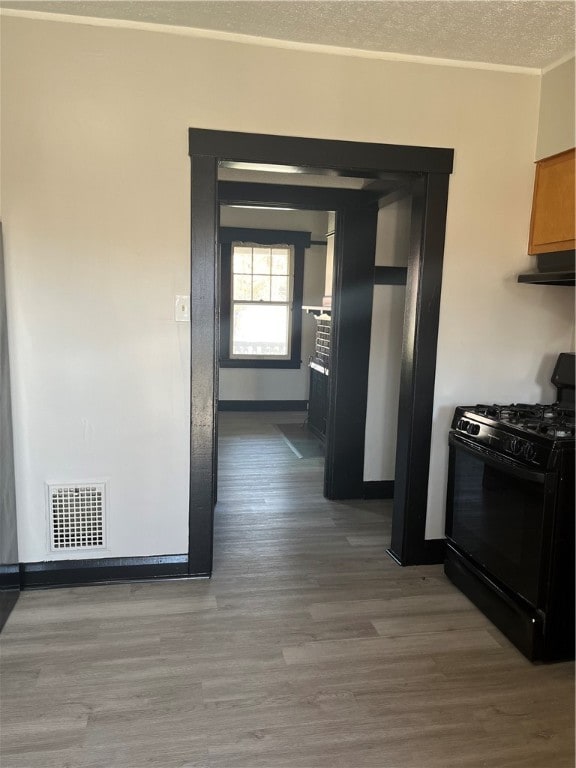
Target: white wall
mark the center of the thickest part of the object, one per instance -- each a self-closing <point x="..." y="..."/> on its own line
<point x="556" y="120"/>
<point x="392" y="248"/>
<point x="263" y="384"/>
<point x="95" y="205"/>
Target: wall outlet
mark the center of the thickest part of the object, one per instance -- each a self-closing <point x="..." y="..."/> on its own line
<point x="182" y="309"/>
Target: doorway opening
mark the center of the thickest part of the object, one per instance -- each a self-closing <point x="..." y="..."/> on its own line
<point x="386" y="173"/>
<point x="274" y="314"/>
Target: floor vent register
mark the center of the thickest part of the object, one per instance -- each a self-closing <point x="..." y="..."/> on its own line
<point x="77" y="516"/>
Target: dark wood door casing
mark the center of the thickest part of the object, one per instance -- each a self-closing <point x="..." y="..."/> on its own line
<point x="418" y="371"/>
<point x="353" y="288"/>
<point x="427" y="169"/>
<point x="203" y="364"/>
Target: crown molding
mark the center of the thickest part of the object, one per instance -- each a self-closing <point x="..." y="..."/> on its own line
<point x="267" y="42"/>
<point x="558" y="63"/>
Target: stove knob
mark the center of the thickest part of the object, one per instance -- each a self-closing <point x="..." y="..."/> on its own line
<point x="473" y="429"/>
<point x="518" y="447"/>
<point x="529" y="451"/>
<point x="512" y="445"/>
<point x="462" y="424"/>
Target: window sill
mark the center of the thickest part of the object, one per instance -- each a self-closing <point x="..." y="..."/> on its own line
<point x="233" y="363"/>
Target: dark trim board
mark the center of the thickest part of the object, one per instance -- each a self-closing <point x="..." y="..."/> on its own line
<point x="9" y="577"/>
<point x="352" y="294"/>
<point x="62" y="573"/>
<point x="292" y="196"/>
<point x="418" y="368"/>
<point x="390" y="275"/>
<point x="378" y="489"/>
<point x="423" y="171"/>
<point x="262" y="405"/>
<point x="432" y="552"/>
<point x="347" y="157"/>
<point x="8" y="599"/>
<point x="9" y="590"/>
<point x="203" y="363"/>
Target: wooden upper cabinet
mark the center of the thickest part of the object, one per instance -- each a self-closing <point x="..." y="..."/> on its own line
<point x="552" y="223"/>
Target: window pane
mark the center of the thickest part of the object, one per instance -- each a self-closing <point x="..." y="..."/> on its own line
<point x="242" y="288"/>
<point x="242" y="260"/>
<point x="260" y="288"/>
<point x="260" y="330"/>
<point x="280" y="261"/>
<point x="279" y="289"/>
<point x="261" y="261"/>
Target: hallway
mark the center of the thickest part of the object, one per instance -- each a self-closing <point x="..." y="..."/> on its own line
<point x="309" y="648"/>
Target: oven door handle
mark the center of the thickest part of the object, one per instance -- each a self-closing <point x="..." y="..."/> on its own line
<point x="496" y="460"/>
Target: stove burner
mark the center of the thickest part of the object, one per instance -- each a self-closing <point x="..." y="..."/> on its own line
<point x="552" y="429"/>
<point x="520" y="412"/>
<point x="552" y="421"/>
<point x="493" y="411"/>
<point x="556" y="430"/>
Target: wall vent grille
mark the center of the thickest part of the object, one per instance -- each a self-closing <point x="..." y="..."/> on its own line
<point x="77" y="516"/>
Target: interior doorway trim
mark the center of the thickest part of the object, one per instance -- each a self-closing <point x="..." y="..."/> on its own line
<point x="431" y="167"/>
<point x="356" y="213"/>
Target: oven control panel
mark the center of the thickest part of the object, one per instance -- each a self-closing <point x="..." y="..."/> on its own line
<point x="503" y="442"/>
<point x="467" y="426"/>
<point x="516" y="446"/>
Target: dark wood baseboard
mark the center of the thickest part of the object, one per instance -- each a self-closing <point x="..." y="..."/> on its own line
<point x="8" y="600"/>
<point x="431" y="552"/>
<point x="66" y="573"/>
<point x="378" y="489"/>
<point x="9" y="590"/>
<point x="10" y="576"/>
<point x="263" y="405"/>
<point x="434" y="551"/>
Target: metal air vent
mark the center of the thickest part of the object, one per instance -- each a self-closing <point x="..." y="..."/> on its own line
<point x="77" y="516"/>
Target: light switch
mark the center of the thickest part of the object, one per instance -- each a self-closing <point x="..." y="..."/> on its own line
<point x="182" y="309"/>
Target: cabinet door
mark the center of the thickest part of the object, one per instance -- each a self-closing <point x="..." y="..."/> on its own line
<point x="318" y="403"/>
<point x="552" y="224"/>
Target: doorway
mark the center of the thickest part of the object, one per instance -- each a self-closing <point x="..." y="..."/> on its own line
<point x="427" y="172"/>
<point x="272" y="271"/>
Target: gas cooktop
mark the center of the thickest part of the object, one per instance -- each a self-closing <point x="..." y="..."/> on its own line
<point x="532" y="434"/>
<point x="554" y="421"/>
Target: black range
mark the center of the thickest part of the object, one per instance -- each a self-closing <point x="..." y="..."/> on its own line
<point x="510" y="516"/>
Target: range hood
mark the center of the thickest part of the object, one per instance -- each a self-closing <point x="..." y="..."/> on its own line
<point x="555" y="268"/>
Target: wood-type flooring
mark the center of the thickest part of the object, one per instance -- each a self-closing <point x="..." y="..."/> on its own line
<point x="309" y="648"/>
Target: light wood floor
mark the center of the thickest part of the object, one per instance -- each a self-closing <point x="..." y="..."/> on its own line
<point x="309" y="648"/>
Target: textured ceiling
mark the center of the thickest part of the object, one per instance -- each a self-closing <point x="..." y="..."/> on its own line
<point x="518" y="32"/>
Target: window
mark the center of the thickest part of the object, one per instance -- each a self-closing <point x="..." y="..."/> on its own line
<point x="261" y="297"/>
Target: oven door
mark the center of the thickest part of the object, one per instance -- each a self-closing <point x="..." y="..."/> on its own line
<point x="498" y="514"/>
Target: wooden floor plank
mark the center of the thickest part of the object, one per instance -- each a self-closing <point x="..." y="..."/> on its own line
<point x="309" y="648"/>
